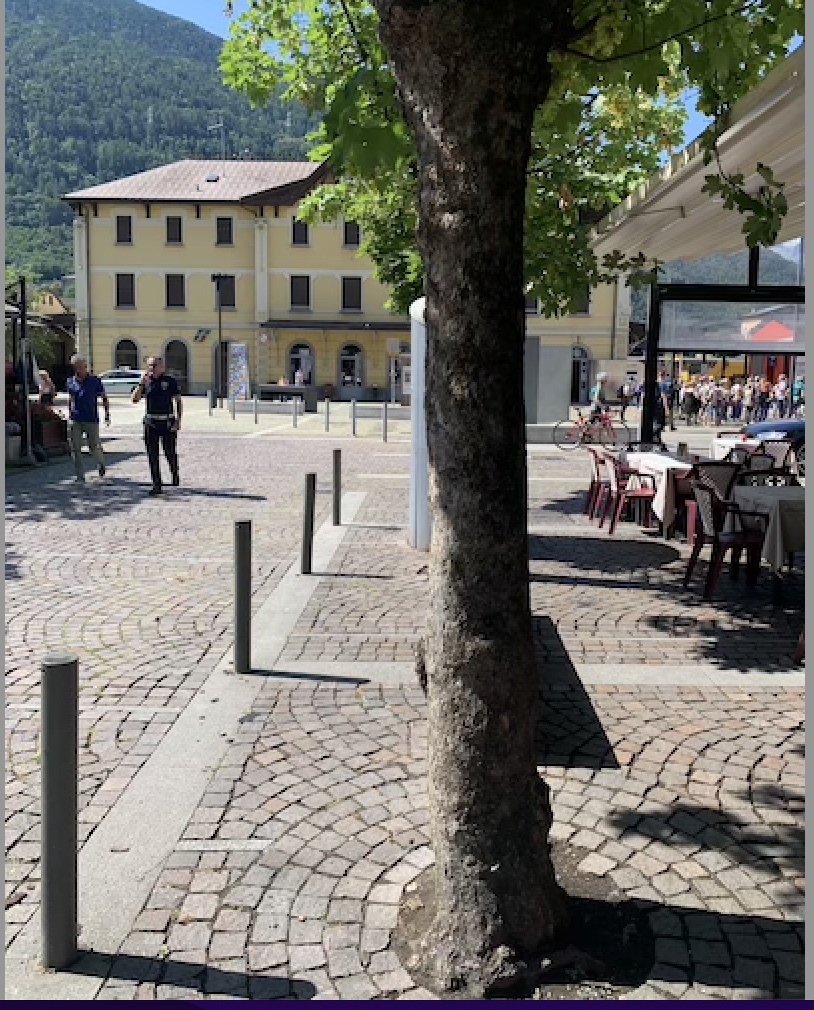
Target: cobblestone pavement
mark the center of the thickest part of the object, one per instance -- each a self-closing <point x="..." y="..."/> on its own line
<point x="287" y="879"/>
<point x="140" y="590"/>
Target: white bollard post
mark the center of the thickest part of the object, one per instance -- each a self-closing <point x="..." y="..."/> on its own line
<point x="384" y="421"/>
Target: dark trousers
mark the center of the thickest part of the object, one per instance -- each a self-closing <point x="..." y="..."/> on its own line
<point x="156" y="435"/>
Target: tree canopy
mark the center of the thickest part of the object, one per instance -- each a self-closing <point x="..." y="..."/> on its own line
<point x="612" y="111"/>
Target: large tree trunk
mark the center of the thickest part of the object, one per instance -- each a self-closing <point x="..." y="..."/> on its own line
<point x="470" y="75"/>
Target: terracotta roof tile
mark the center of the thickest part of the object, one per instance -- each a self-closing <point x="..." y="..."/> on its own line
<point x="187" y="181"/>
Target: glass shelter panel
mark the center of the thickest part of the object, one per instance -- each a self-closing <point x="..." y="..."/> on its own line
<point x="732" y="328"/>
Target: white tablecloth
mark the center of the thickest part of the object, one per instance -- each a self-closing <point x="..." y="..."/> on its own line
<point x="664" y="469"/>
<point x="786" y="509"/>
<point x="721" y="446"/>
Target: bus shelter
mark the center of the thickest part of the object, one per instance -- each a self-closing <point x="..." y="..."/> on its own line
<point x="671" y="218"/>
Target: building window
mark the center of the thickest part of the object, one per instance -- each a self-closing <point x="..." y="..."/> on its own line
<point x="125" y="291"/>
<point x="174" y="231"/>
<point x="351" y="366"/>
<point x="532" y="305"/>
<point x="124" y="229"/>
<point x="300" y="292"/>
<point x="299" y="232"/>
<point x="224" y="231"/>
<point x="352" y="235"/>
<point x="126" y="354"/>
<point x="581" y="303"/>
<point x="175" y="291"/>
<point x="351" y="294"/>
<point x="227" y="292"/>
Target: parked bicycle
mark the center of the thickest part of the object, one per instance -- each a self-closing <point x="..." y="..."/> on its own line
<point x="601" y="429"/>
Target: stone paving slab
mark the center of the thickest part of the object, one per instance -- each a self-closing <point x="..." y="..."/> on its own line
<point x="286" y="877"/>
<point x="694" y="811"/>
<point x="79" y="579"/>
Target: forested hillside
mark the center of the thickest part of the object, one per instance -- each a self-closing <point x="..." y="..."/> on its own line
<point x="98" y="89"/>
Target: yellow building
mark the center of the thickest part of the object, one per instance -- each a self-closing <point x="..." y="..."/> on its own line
<point x="152" y="250"/>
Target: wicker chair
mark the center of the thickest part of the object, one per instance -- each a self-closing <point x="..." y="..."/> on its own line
<point x="781" y="452"/>
<point x="722" y="472"/>
<point x="761" y="461"/>
<point x="738" y="454"/>
<point x="748" y="533"/>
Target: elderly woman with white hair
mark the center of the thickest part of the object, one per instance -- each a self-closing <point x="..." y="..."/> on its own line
<point x="84" y="392"/>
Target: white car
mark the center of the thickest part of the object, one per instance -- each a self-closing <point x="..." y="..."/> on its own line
<point x="120" y="381"/>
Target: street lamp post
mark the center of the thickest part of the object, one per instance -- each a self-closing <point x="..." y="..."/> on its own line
<point x="217" y="280"/>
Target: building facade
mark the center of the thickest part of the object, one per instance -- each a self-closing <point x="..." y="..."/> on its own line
<point x="196" y="258"/>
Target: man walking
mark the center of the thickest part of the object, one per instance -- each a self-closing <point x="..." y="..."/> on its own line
<point x="161" y="424"/>
<point x="84" y="392"/>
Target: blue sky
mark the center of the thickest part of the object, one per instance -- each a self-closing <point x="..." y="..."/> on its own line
<point x="209" y="14"/>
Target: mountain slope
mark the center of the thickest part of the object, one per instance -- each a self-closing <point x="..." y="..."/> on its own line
<point x="98" y="89"/>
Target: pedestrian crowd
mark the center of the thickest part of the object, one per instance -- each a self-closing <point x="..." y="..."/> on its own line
<point x="710" y="401"/>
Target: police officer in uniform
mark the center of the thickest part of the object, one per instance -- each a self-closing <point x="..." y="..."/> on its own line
<point x="161" y="423"/>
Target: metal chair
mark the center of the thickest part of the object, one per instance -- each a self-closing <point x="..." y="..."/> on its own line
<point x="748" y="533"/>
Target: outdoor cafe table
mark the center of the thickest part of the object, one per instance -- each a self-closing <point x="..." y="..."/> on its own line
<point x="785" y="507"/>
<point x="663" y="469"/>
<point x="721" y="446"/>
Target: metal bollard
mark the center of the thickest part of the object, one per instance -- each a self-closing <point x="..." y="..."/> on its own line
<point x="59" y="743"/>
<point x="384" y="421"/>
<point x="337" y="488"/>
<point x="327" y="414"/>
<point x="232" y="406"/>
<point x="353" y="417"/>
<point x="209" y="399"/>
<point x="255" y="408"/>
<point x="294" y="410"/>
<point x="308" y="523"/>
<point x="243" y="595"/>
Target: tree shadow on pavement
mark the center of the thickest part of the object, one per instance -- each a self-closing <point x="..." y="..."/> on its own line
<point x="569" y="733"/>
<point x="13" y="559"/>
<point x="738" y="629"/>
<point x="602" y="553"/>
<point x="102" y="497"/>
<point x="189" y="976"/>
<point x="761" y="828"/>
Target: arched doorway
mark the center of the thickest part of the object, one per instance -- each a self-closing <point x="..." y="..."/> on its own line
<point x="176" y="362"/>
<point x="301" y="359"/>
<point x="126" y="354"/>
<point x="351" y="366"/>
<point x="580" y="374"/>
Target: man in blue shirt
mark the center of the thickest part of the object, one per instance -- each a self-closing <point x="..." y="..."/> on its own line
<point x="84" y="392"/>
<point x="161" y="423"/>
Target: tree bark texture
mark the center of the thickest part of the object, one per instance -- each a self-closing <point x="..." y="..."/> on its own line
<point x="470" y="76"/>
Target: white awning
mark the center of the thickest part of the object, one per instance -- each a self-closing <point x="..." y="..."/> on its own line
<point x="669" y="218"/>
